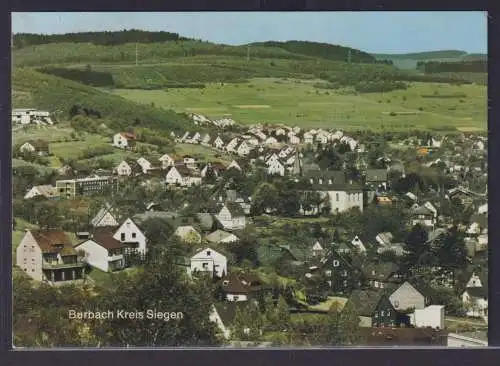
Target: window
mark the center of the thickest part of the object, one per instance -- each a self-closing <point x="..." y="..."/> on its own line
<point x="376" y="315"/>
<point x="396" y="304"/>
<point x="328" y="273"/>
<point x="344" y="273"/>
<point x="382" y="313"/>
<point x="205" y="265"/>
<point x="225" y="283"/>
<point x="122" y="236"/>
<point x="134" y="235"/>
<point x="235" y="298"/>
<point x="375" y="284"/>
<point x="337" y="197"/>
<point x="209" y="253"/>
<point x="336" y="263"/>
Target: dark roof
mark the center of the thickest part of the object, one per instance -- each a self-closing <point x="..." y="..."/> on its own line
<point x="365" y="301"/>
<point x="39" y="145"/>
<point x="422" y="210"/>
<point x="376" y="175"/>
<point x="227" y="310"/>
<point x="383" y="271"/>
<point x="235" y="209"/>
<point x="241" y="283"/>
<point x="481" y="292"/>
<point x="106" y="240"/>
<point x="50" y="241"/>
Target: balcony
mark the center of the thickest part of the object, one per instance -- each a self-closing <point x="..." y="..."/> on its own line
<point x="47" y="265"/>
<point x="115" y="257"/>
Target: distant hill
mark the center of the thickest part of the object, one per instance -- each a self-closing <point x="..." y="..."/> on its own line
<point x="320" y="50"/>
<point x="60" y="95"/>
<point x="429" y="55"/>
<point x="21" y="40"/>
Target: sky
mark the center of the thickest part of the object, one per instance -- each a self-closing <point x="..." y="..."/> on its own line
<point x="373" y="32"/>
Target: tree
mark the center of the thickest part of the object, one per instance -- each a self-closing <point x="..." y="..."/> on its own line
<point x="451" y="251"/>
<point x="342" y="326"/>
<point x="265" y="197"/>
<point x="416" y="245"/>
<point x="282" y="315"/>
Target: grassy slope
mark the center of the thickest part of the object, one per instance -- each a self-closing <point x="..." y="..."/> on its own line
<point x="296" y="103"/>
<point x="59" y="95"/>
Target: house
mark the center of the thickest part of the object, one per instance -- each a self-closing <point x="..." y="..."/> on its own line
<point x="223" y="315"/>
<point x="384" y="239"/>
<point x="188" y="234"/>
<point x="358" y="245"/>
<point x="483" y="209"/>
<point x="124" y="140"/>
<point x="208" y="260"/>
<point x="123" y="169"/>
<point x="46" y="191"/>
<point x="133" y="238"/>
<point x="341" y="195"/>
<point x="270" y="141"/>
<point x="373" y="308"/>
<point x="317" y="249"/>
<point x="196" y="138"/>
<point x="38" y="147"/>
<point x="218" y="143"/>
<point x="49" y="256"/>
<point x="205" y="140"/>
<point x="221" y="236"/>
<point x="377" y="178"/>
<point x="243" y="149"/>
<point x="104" y="218"/>
<point x="234" y="165"/>
<point x="232" y="216"/>
<point x="145" y="165"/>
<point x="231" y="146"/>
<point x="276" y="168"/>
<point x="380" y="275"/>
<point x="182" y="176"/>
<point x="406" y="297"/>
<point x="422" y="215"/>
<point x="103" y="251"/>
<point x="189" y="162"/>
<point x="294" y="140"/>
<point x="475" y="281"/>
<point x="429" y="317"/>
<point x="212" y="169"/>
<point x="308" y="138"/>
<point x="475" y="301"/>
<point x="340" y="271"/>
<point x="241" y="287"/>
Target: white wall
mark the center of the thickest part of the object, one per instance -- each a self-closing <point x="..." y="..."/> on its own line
<point x="129" y="228"/>
<point x="236" y="297"/>
<point x="431" y="316"/>
<point x="96" y="255"/>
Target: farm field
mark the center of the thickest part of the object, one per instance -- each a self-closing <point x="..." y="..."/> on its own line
<point x="298" y="102"/>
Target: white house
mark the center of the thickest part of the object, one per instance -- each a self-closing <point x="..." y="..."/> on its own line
<point x="208" y="260"/>
<point x="47" y="191"/>
<point x="271" y="141"/>
<point x="104" y="252"/>
<point x="276" y="168"/>
<point x="104" y="218"/>
<point x="205" y="140"/>
<point x="188" y="234"/>
<point x="317" y="249"/>
<point x="483" y="209"/>
<point x="196" y="138"/>
<point x="231" y="146"/>
<point x="294" y="140"/>
<point x="475" y="300"/>
<point x="130" y="235"/>
<point x="182" y="176"/>
<point x="167" y="161"/>
<point x="308" y="138"/>
<point x="474" y="281"/>
<point x="218" y="143"/>
<point x="243" y="149"/>
<point x="358" y="244"/>
<point x="124" y="140"/>
<point x="407" y="297"/>
<point x="145" y="165"/>
<point x="232" y="216"/>
<point x="430" y="317"/>
<point x="234" y="164"/>
<point x="272" y="159"/>
<point x="123" y="169"/>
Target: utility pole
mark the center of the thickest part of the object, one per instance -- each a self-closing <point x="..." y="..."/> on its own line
<point x="136" y="53"/>
<point x="349" y="56"/>
<point x="248" y="53"/>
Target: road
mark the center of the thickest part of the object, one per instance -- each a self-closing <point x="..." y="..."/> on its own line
<point x="464" y="321"/>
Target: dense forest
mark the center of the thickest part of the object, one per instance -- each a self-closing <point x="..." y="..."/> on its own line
<point x="21" y="40"/>
<point x="430" y="67"/>
<point x="321" y="50"/>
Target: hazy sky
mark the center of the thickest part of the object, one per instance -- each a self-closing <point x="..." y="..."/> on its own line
<point x="375" y="32"/>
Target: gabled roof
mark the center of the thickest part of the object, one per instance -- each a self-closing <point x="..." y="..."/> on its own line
<point x="478" y="292"/>
<point x="128" y="135"/>
<point x="49" y="240"/>
<point x="241" y="283"/>
<point x="383" y="271"/>
<point x="235" y="209"/>
<point x="376" y="175"/>
<point x="422" y="210"/>
<point x="46" y="190"/>
<point x="39" y="145"/>
<point x="100" y="215"/>
<point x="105" y="239"/>
<point x="366" y="301"/>
<point x="227" y="311"/>
<point x="218" y="235"/>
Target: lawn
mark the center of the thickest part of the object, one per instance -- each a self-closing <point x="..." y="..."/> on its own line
<point x="51" y="134"/>
<point x="41" y="168"/>
<point x="294" y="102"/>
<point x="203" y="152"/>
<point x="73" y="149"/>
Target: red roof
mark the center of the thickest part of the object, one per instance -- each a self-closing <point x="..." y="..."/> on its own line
<point x="128" y="135"/>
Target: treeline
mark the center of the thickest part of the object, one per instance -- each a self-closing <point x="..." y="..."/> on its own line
<point x="21" y="40"/>
<point x="321" y="50"/>
<point x="479" y="66"/>
<point x="87" y="77"/>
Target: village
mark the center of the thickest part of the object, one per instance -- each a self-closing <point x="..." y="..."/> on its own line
<point x="316" y="219"/>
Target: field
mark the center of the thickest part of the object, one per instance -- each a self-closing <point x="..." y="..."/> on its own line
<point x="298" y="102"/>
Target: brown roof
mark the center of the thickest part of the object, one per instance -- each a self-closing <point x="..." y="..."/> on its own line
<point x="50" y="240"/>
<point x="128" y="135"/>
<point x="241" y="284"/>
<point x="106" y="240"/>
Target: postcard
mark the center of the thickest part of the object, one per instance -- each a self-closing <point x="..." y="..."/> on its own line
<point x="249" y="179"/>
